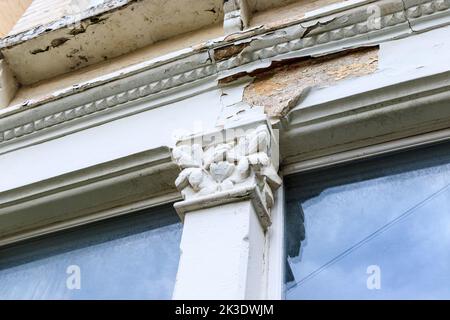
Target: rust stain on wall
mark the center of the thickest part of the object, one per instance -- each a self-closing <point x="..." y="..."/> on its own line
<point x="280" y="87"/>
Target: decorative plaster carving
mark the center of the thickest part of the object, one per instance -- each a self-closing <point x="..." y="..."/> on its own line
<point x="245" y="161"/>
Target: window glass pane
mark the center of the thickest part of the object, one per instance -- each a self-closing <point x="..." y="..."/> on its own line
<point x="130" y="257"/>
<point x="378" y="229"/>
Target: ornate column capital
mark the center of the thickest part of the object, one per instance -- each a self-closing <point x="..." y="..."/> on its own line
<point x="227" y="166"/>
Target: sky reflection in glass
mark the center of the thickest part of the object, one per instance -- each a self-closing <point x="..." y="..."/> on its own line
<point x="132" y="257"/>
<point x="393" y="213"/>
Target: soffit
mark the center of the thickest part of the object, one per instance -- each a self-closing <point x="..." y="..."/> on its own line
<point x="116" y="27"/>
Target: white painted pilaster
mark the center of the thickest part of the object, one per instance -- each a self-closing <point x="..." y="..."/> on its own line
<point x="227" y="188"/>
<point x="222" y="254"/>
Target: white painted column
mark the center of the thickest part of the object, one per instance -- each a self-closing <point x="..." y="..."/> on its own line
<point x="222" y="254"/>
<point x="227" y="188"/>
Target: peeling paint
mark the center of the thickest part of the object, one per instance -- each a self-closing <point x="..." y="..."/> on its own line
<point x="229" y="51"/>
<point x="265" y="44"/>
<point x="116" y="28"/>
<point x="59" y="42"/>
<point x="92" y="14"/>
<point x="36" y="51"/>
<point x="317" y="25"/>
<point x="281" y="87"/>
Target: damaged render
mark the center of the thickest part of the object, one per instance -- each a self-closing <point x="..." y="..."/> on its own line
<point x="281" y="86"/>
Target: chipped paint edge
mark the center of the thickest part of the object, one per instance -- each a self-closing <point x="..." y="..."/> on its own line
<point x="284" y="43"/>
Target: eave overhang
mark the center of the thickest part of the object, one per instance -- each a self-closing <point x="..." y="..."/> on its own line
<point x="102" y="33"/>
<point x="227" y="57"/>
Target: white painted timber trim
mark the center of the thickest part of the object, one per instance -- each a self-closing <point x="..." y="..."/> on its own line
<point x="222" y="254"/>
<point x="92" y="115"/>
<point x="276" y="257"/>
<point x="108" y="189"/>
<point x="91" y="218"/>
<point x="385" y="118"/>
<point x="228" y="186"/>
<point x="368" y="152"/>
<point x="342" y="29"/>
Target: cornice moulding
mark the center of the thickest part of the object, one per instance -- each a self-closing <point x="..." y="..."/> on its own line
<point x="134" y="182"/>
<point x="321" y="35"/>
<point x="104" y="32"/>
<point x="318" y="133"/>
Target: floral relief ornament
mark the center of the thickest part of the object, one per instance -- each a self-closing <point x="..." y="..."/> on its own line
<point x="226" y="165"/>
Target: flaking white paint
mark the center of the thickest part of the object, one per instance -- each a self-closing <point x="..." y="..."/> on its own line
<point x="140" y="132"/>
